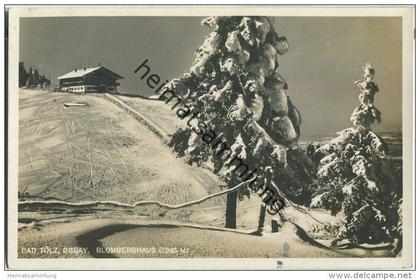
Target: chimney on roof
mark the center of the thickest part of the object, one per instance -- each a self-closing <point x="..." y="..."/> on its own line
<point x="99" y="64"/>
<point x="75" y="69"/>
<point x="84" y="68"/>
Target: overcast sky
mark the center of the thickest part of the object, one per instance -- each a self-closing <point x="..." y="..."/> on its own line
<point x="325" y="57"/>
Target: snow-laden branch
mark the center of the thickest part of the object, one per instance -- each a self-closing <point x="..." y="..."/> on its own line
<point x="297" y="207"/>
<point x="33" y="203"/>
<point x="127" y="205"/>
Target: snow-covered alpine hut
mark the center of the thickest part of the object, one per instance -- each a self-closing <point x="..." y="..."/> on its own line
<point x="94" y="79"/>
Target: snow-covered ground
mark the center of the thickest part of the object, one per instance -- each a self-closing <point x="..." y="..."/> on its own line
<point x="100" y="152"/>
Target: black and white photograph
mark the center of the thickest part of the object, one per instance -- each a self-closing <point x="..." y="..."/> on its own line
<point x="262" y="138"/>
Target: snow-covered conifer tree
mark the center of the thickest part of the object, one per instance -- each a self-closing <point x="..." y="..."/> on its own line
<point x="355" y="176"/>
<point x="237" y="108"/>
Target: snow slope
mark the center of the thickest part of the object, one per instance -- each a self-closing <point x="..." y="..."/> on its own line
<point x="96" y="152"/>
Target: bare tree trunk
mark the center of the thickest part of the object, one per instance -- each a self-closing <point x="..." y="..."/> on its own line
<point x="274" y="226"/>
<point x="231" y="201"/>
<point x="261" y="218"/>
